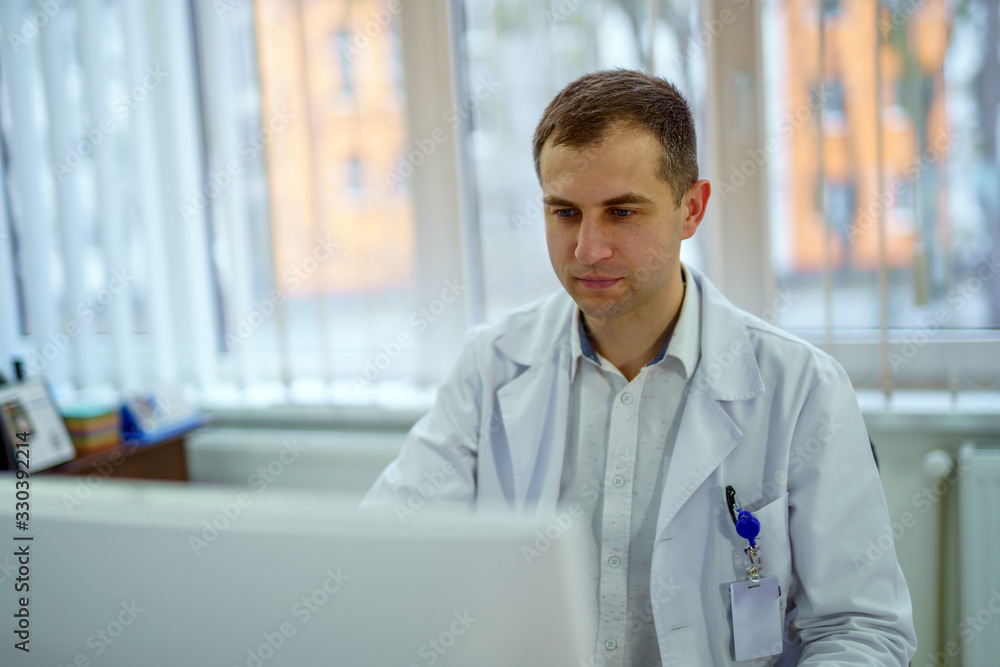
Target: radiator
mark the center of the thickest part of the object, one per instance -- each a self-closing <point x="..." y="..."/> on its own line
<point x="979" y="553"/>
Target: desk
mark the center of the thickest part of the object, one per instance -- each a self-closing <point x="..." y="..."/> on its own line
<point x="163" y="460"/>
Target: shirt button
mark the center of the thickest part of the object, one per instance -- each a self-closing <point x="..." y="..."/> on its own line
<point x="614" y="561"/>
<point x="626" y="398"/>
<point x="618" y="481"/>
<point x="611" y="644"/>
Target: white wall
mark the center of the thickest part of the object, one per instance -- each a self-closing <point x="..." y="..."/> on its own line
<point x="343" y="461"/>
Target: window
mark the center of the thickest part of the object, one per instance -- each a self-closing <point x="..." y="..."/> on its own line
<point x="318" y="198"/>
<point x="885" y="239"/>
<point x="339" y="251"/>
<point x="198" y="243"/>
<point x="342" y="56"/>
<point x="79" y="88"/>
<point x="355" y="177"/>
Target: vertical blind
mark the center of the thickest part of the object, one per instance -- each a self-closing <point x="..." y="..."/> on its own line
<point x="242" y="198"/>
<point x="884" y="224"/>
<point x="201" y="194"/>
<point x="106" y="287"/>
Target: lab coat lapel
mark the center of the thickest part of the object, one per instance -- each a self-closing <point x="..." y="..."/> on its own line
<point x="534" y="404"/>
<point x="705" y="436"/>
<point x="727" y="371"/>
<point x="532" y="407"/>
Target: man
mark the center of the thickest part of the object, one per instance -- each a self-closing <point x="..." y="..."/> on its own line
<point x="641" y="393"/>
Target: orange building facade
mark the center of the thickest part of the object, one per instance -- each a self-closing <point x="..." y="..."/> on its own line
<point x="334" y="65"/>
<point x="911" y="49"/>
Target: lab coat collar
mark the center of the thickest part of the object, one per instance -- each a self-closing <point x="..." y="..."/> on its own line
<point x="539" y="331"/>
<point x="727" y="369"/>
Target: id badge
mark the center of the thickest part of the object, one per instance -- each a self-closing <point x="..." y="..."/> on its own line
<point x="756" y="619"/>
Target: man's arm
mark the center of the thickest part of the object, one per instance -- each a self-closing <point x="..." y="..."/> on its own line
<point x="852" y="609"/>
<point x="438" y="459"/>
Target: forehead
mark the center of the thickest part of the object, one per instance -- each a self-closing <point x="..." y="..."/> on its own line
<point x="625" y="159"/>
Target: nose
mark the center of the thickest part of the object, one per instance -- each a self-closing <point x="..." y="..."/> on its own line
<point x="592" y="244"/>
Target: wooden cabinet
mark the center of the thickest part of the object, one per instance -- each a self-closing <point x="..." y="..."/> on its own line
<point x="165" y="460"/>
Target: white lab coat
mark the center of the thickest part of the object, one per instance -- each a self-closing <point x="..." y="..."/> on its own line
<point x="767" y="413"/>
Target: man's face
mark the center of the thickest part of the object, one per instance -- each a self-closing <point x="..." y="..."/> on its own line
<point x="611" y="226"/>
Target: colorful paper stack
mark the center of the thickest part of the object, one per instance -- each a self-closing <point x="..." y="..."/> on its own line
<point x="93" y="426"/>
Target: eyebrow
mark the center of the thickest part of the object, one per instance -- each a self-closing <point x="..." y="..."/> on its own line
<point x="627" y="198"/>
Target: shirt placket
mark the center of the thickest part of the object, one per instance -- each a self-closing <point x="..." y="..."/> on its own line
<point x="616" y="520"/>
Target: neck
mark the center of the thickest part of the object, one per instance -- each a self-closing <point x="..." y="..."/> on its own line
<point x="633" y="340"/>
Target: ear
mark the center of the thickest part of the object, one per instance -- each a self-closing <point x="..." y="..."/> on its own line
<point x="693" y="206"/>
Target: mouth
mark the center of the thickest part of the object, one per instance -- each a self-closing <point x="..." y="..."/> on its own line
<point x="597" y="282"/>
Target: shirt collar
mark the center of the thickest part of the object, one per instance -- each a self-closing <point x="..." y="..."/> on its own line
<point x="682" y="344"/>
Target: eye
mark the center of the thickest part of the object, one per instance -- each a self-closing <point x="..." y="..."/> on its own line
<point x="622" y="212"/>
<point x="564" y="213"/>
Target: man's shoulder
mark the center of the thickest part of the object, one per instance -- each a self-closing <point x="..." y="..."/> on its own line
<point x="528" y="329"/>
<point x="782" y="353"/>
<point x="776" y="350"/>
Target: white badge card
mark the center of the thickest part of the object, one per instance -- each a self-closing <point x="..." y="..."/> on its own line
<point x="756" y="619"/>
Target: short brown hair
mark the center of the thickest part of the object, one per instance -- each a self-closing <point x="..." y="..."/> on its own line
<point x="586" y="111"/>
